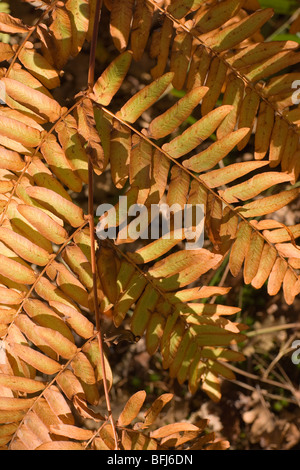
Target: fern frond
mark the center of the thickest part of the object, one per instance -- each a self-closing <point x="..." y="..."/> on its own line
<point x="181" y="330"/>
<point x="238" y="85"/>
<point x="244" y="68"/>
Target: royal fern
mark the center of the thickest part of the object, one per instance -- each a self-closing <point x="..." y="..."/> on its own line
<point x="58" y="280"/>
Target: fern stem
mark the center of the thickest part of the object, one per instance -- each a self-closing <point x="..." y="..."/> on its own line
<point x="91" y="77"/>
<point x="96" y="302"/>
<point x="271" y="329"/>
<point x="257" y="378"/>
<point x="266" y="394"/>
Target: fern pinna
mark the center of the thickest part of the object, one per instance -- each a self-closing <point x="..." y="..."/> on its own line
<point x="57" y="279"/>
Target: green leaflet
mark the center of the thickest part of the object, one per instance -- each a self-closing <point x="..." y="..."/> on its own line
<point x="145" y="98"/>
<point x="254" y="186"/>
<point x="234" y="34"/>
<point x="182" y="268"/>
<point x="197" y="133"/>
<point x="218" y="150"/>
<point x="169" y="121"/>
<point x="111" y="79"/>
<point x="230" y="173"/>
<point x="268" y="204"/>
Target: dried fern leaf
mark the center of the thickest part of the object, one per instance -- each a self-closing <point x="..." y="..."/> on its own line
<point x="21" y="384"/>
<point x="16" y="272"/>
<point x="128" y="296"/>
<point x="180" y="56"/>
<point x="78" y="11"/>
<point x="6" y="51"/>
<point x="215" y="81"/>
<point x="60" y="165"/>
<point x="265" y="123"/>
<point x="178" y="188"/>
<point x="63" y="208"/>
<point x="33" y="99"/>
<point x="271" y="66"/>
<point x="140" y="167"/>
<point x="40" y="68"/>
<point x="239" y="248"/>
<point x="233" y="96"/>
<point x="179" y="9"/>
<point x="163" y="41"/>
<point x="215" y="16"/>
<point x="10" y="160"/>
<point x="140" y="29"/>
<point x="152" y="413"/>
<point x="159" y="177"/>
<point x="234" y="34"/>
<point x="146" y="306"/>
<point x="276" y="276"/>
<point x="180" y="269"/>
<point x="253" y="257"/>
<point x="18" y="131"/>
<point x="61" y="30"/>
<point x="132" y="408"/>
<point x="9" y="24"/>
<point x="72" y="146"/>
<point x="199" y="66"/>
<point x="39" y="361"/>
<point x="24" y="248"/>
<point x="120" y="146"/>
<point x="121" y="16"/>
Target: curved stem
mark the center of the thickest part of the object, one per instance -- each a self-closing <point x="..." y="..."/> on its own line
<point x="91" y="77"/>
<point x="271" y="329"/>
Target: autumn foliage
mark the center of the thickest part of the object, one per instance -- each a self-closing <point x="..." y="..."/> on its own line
<point x="58" y="281"/>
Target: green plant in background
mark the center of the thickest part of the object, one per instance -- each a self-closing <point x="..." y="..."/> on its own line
<point x="281" y="7"/>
